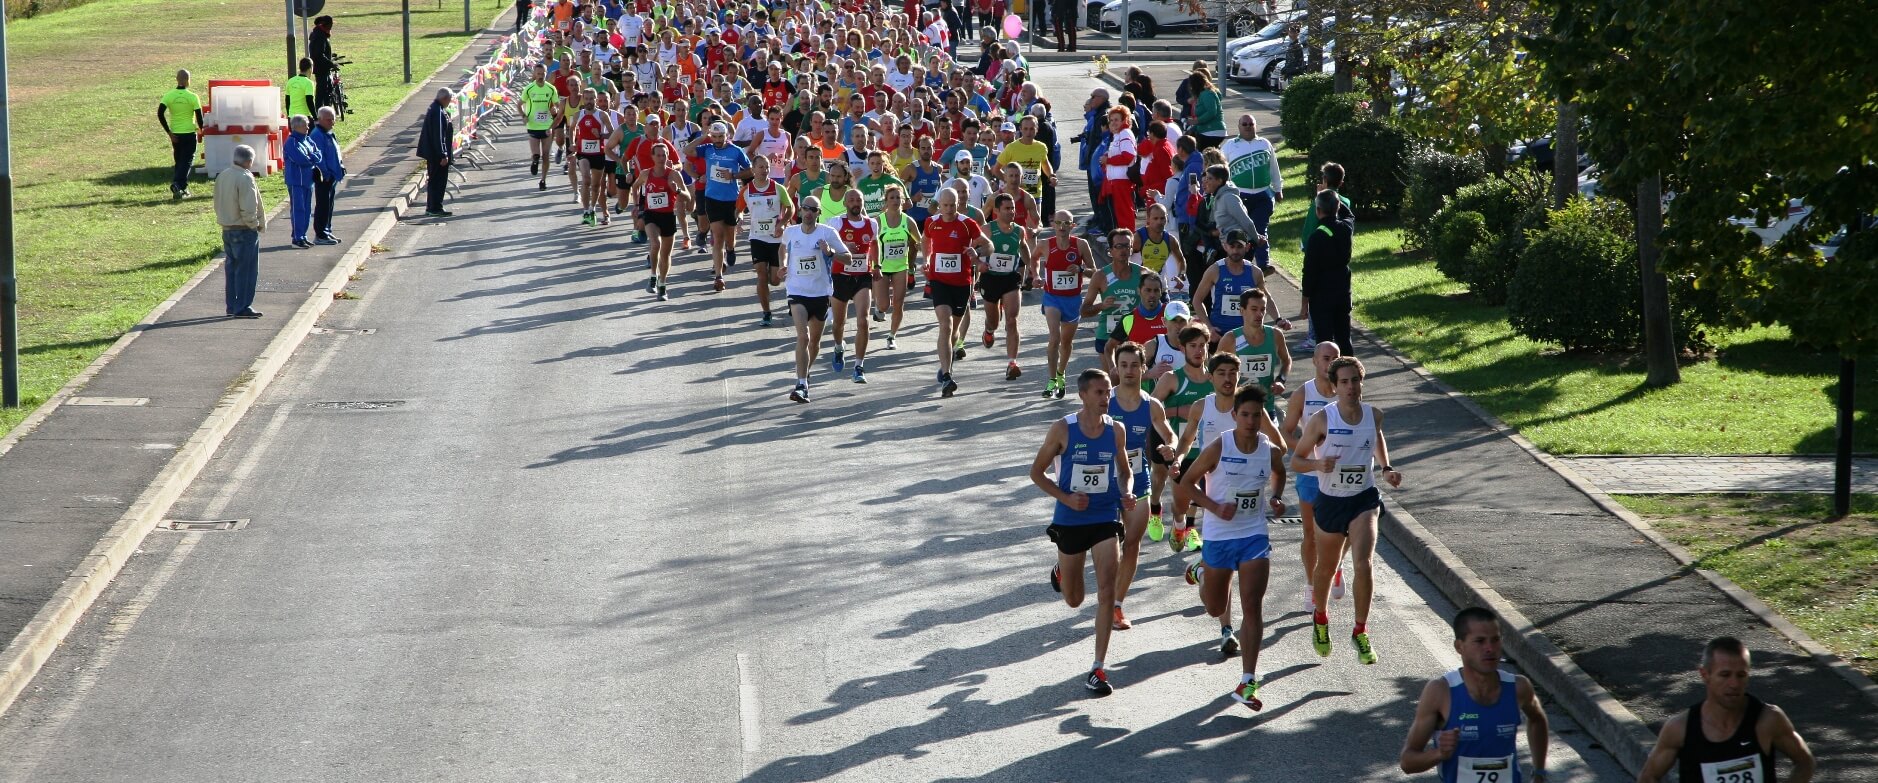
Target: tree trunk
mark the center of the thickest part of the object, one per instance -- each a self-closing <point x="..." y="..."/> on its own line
<point x="1345" y="79"/>
<point x="1659" y="341"/>
<point x="1842" y="450"/>
<point x="1565" y="155"/>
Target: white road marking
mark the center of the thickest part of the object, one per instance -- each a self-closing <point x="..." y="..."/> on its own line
<point x="747" y="710"/>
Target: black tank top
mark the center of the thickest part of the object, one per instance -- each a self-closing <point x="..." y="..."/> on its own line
<point x="1738" y="759"/>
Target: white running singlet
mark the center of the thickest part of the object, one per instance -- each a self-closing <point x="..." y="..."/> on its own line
<point x="1242" y="479"/>
<point x="807" y="258"/>
<point x="1354" y="447"/>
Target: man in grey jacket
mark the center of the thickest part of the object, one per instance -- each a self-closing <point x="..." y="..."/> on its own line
<point x="1222" y="215"/>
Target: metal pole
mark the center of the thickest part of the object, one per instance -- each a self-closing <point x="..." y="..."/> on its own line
<point x="1219" y="60"/>
<point x="1842" y="457"/>
<point x="293" y="60"/>
<point x="306" y="43"/>
<point x="1124" y="21"/>
<point x="9" y="279"/>
<point x="407" y="41"/>
<point x="466" y="16"/>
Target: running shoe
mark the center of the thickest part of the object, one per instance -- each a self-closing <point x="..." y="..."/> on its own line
<point x="534" y="165"/>
<point x="604" y="220"/>
<point x="1049" y="388"/>
<point x="949" y="388"/>
<point x="1320" y="639"/>
<point x="1156" y="530"/>
<point x="768" y="319"/>
<point x="542" y="185"/>
<point x="1195" y="573"/>
<point x="1098" y="681"/>
<point x="1061" y="382"/>
<point x="801" y="393"/>
<point x="1056" y="577"/>
<point x="989" y="339"/>
<point x="835" y="360"/>
<point x="618" y="209"/>
<point x="880" y="316"/>
<point x="1029" y="282"/>
<point x="1228" y="643"/>
<point x="652" y="284"/>
<point x="717" y="284"/>
<point x="891" y="343"/>
<point x="586" y="218"/>
<point x="1336" y="584"/>
<point x="958" y="351"/>
<point x="557" y="156"/>
<point x="1248" y="694"/>
<point x="1177" y="539"/>
<point x="1011" y="372"/>
<point x="1193" y="540"/>
<point x="1121" y="623"/>
<point x="639" y="237"/>
<point x="730" y="256"/>
<point x="1310" y="604"/>
<point x="1308" y="345"/>
<point x="1364" y="653"/>
<point x="858" y="376"/>
<point x="662" y="295"/>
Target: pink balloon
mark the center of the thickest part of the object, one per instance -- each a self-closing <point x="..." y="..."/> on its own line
<point x="1013" y="26"/>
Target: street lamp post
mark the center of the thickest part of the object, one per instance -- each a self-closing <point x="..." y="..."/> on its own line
<point x="9" y="278"/>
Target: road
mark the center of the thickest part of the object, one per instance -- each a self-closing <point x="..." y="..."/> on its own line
<point x="535" y="525"/>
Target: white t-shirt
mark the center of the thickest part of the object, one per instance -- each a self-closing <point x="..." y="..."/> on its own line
<point x="977" y="189"/>
<point x="899" y="81"/>
<point x="1123" y="142"/>
<point x="808" y="259"/>
<point x="1173" y="133"/>
<point x="631" y="27"/>
<point x="749" y="127"/>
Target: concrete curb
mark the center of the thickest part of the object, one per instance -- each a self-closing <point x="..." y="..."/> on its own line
<point x="40" y="638"/>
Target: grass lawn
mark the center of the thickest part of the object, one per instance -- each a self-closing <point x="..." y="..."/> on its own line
<point x="1821" y="575"/>
<point x="99" y="241"/>
<point x="1759" y="394"/>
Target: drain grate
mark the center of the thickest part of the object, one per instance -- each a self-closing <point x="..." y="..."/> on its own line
<point x="203" y="525"/>
<point x="1288" y="521"/>
<point x="333" y="330"/>
<point x="109" y="402"/>
<point x="356" y="405"/>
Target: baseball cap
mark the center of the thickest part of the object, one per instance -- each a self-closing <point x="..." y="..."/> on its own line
<point x="1237" y="236"/>
<point x="1178" y="310"/>
<point x="1008" y="126"/>
<point x="964" y="155"/>
<point x="719" y="127"/>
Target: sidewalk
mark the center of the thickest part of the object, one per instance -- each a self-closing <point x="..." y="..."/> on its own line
<point x="70" y="479"/>
<point x="1679" y="474"/>
<point x="1624" y="610"/>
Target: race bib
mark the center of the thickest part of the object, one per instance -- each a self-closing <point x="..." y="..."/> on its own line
<point x="808" y="265"/>
<point x="766" y="226"/>
<point x="1003" y="263"/>
<point x="684" y="79"/>
<point x="589" y="146"/>
<point x="720" y="174"/>
<point x="1350" y="476"/>
<point x="1257" y="366"/>
<point x="1474" y="769"/>
<point x="1031" y="175"/>
<point x="1246" y="501"/>
<point x="1090" y="479"/>
<point x="1741" y="770"/>
<point x="893" y="252"/>
<point x="948" y="263"/>
<point x="920" y="200"/>
<point x="857" y="264"/>
<point x="1230" y="306"/>
<point x="659" y="200"/>
<point x="1063" y="280"/>
<point x="1134" y="461"/>
<point x="541" y="116"/>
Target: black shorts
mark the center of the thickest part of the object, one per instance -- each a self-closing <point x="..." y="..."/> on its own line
<point x="537" y="134"/>
<point x="1077" y="539"/>
<point x="957" y="297"/>
<point x="598" y="162"/>
<point x="847" y="286"/>
<point x="766" y="253"/>
<point x="816" y="307"/>
<point x="1154" y="446"/>
<point x="665" y="222"/>
<point x="1334" y="514"/>
<point x="995" y="285"/>
<point x="622" y="176"/>
<point x="719" y="211"/>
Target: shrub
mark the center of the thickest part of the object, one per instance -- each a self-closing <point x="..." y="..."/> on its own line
<point x="1374" y="153"/>
<point x="1509" y="207"/>
<point x="1576" y="284"/>
<point x="1456" y="233"/>
<point x="1299" y="105"/>
<point x="1339" y="110"/>
<point x="1433" y="176"/>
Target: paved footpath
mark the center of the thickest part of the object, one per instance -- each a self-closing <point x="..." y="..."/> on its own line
<point x="582" y="535"/>
<point x="1679" y="474"/>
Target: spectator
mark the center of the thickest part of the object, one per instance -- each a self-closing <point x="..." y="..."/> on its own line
<point x="301" y="90"/>
<point x="436" y="144"/>
<point x="238" y="210"/>
<point x="1223" y="209"/>
<point x="1209" y="118"/>
<point x="1118" y="159"/>
<point x="1327" y="272"/>
<point x="1157" y="161"/>
<point x="1093" y="138"/>
<point x="180" y="113"/>
<point x="1183" y="94"/>
<point x="1185" y="204"/>
<point x="1066" y="18"/>
<point x="1163" y="112"/>
<point x="319" y="47"/>
<point x="326" y="177"/>
<point x="302" y="157"/>
<point x="523" y="9"/>
<point x="955" y="27"/>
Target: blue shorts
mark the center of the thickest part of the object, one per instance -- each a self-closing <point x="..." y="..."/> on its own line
<point x="1307" y="487"/>
<point x="1100" y="345"/>
<point x="1069" y="307"/>
<point x="1232" y="552"/>
<point x="1141" y="485"/>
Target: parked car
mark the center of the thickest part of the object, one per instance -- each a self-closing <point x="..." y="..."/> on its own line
<point x="1271" y="31"/>
<point x="1149" y="18"/>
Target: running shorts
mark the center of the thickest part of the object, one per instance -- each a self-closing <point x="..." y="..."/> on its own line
<point x="1307" y="487"/>
<point x="957" y="297"/>
<point x="720" y="211"/>
<point x="1334" y="514"/>
<point x="1101" y="346"/>
<point x="597" y="162"/>
<point x="765" y="252"/>
<point x="666" y="222"/>
<point x="995" y="285"/>
<point x="1232" y="552"/>
<point x="1077" y="539"/>
<point x="1154" y="446"/>
<point x="847" y="286"/>
<point x="815" y="307"/>
<point x="537" y="134"/>
<point x="1069" y="307"/>
<point x="1142" y="485"/>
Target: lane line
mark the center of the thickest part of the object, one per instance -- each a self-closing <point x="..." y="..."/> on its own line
<point x="747" y="711"/>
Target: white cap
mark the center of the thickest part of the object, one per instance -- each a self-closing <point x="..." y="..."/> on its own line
<point x="1178" y="310"/>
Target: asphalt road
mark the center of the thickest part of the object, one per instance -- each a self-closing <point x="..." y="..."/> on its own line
<point x="538" y="526"/>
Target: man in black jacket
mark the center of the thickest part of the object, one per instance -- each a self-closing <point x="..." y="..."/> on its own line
<point x="1327" y="272"/>
<point x="319" y="49"/>
<point x="436" y="144"/>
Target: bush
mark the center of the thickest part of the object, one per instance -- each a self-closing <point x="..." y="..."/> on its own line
<point x="1509" y="207"/>
<point x="1433" y="176"/>
<point x="1374" y="154"/>
<point x="1337" y="111"/>
<point x="1299" y="105"/>
<point x="1576" y="284"/>
<point x="1455" y="234"/>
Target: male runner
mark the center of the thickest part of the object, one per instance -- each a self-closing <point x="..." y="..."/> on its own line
<point x="1730" y="735"/>
<point x="1115" y="292"/>
<point x="854" y="280"/>
<point x="662" y="193"/>
<point x="771" y="210"/>
<point x="1477" y="709"/>
<point x="1261" y="345"/>
<point x="1140" y="415"/>
<point x="1348" y="434"/>
<point x="1310" y="397"/>
<point x="1245" y="480"/>
<point x="1089" y="453"/>
<point x="538" y="100"/>
<point x="1066" y="258"/>
<point x="592" y="126"/>
<point x="810" y="249"/>
<point x="724" y="167"/>
<point x="1001" y="274"/>
<point x="954" y="242"/>
<point x="1179" y="390"/>
<point x="1216" y="293"/>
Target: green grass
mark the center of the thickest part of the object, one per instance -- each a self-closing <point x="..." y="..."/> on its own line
<point x="1758" y="394"/>
<point x="1821" y="575"/>
<point x="99" y="242"/>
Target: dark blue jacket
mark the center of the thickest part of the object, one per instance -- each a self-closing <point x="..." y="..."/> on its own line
<point x="437" y="140"/>
<point x="302" y="157"/>
<point x="1196" y="165"/>
<point x="332" y="167"/>
<point x="1095" y="132"/>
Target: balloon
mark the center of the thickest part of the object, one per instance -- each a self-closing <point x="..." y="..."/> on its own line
<point x="1013" y="26"/>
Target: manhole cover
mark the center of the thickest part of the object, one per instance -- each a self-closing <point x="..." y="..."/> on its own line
<point x="356" y="405"/>
<point x="194" y="525"/>
<point x="109" y="402"/>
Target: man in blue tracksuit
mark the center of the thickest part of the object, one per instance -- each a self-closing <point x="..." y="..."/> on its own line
<point x="1094" y="138"/>
<point x="326" y="177"/>
<point x="303" y="157"/>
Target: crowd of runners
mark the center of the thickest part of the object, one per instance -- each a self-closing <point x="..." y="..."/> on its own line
<point x="858" y="162"/>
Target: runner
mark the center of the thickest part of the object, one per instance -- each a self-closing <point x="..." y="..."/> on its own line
<point x="1066" y="259"/>
<point x="1730" y="735"/>
<point x="591" y="127"/>
<point x="1216" y="293"/>
<point x="1115" y="292"/>
<point x="771" y="210"/>
<point x="874" y="186"/>
<point x="1148" y="320"/>
<point x="723" y="167"/>
<point x="1178" y="391"/>
<point x="1245" y="484"/>
<point x="1144" y="420"/>
<point x="1089" y="454"/>
<point x="899" y="244"/>
<point x="954" y="243"/>
<point x="854" y="280"/>
<point x="1000" y="275"/>
<point x="1473" y="715"/>
<point x="538" y="100"/>
<point x="1310" y="397"/>
<point x="1349" y="435"/>
<point x="1267" y="358"/>
<point x="662" y="193"/>
<point x="1155" y="248"/>
<point x="811" y="249"/>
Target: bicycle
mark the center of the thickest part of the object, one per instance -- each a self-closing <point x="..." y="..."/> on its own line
<point x="341" y="107"/>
